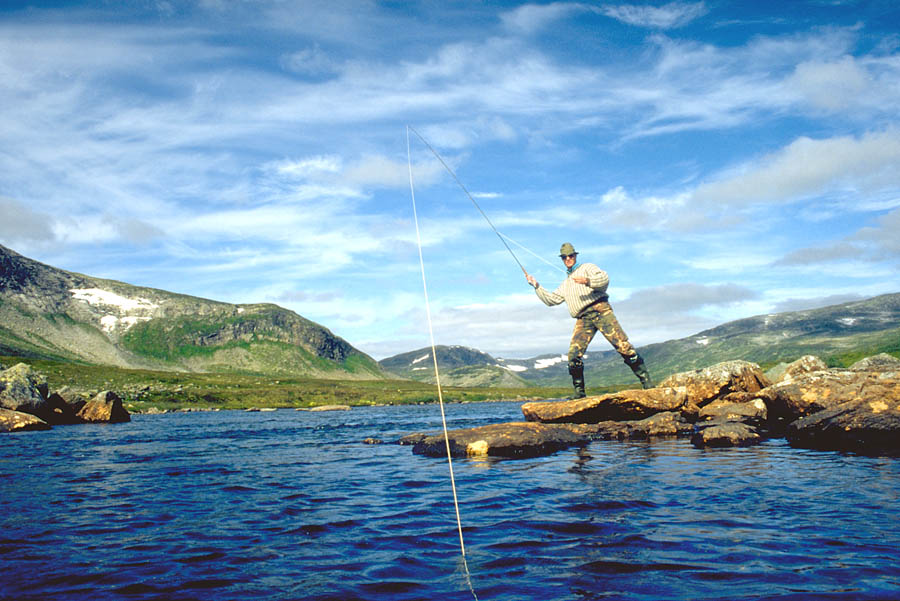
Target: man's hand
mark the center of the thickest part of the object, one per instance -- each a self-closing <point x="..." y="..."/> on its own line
<point x="531" y="280"/>
<point x="584" y="281"/>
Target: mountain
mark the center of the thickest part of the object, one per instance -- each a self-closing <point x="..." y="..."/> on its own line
<point x="459" y="366"/>
<point x="838" y="333"/>
<point x="50" y="313"/>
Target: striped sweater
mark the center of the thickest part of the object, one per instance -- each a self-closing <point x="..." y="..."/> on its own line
<point x="578" y="296"/>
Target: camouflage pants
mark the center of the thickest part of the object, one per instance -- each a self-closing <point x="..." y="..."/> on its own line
<point x="599" y="317"/>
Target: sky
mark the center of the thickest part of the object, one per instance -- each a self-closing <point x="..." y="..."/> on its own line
<point x="717" y="159"/>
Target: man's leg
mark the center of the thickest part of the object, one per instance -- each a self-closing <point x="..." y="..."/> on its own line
<point x="581" y="337"/>
<point x="606" y="322"/>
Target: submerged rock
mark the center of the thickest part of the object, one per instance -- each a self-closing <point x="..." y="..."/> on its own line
<point x="516" y="439"/>
<point x="706" y="385"/>
<point x="624" y="405"/>
<point x="18" y="421"/>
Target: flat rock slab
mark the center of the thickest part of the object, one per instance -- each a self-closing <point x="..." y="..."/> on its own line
<point x="516" y="439"/>
<point x="617" y="406"/>
<point x="727" y="434"/>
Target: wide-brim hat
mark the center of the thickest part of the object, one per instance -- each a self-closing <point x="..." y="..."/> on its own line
<point x="567" y="249"/>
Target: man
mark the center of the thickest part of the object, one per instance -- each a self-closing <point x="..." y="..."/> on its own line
<point x="584" y="291"/>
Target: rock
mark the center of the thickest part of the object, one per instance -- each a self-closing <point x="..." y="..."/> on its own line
<point x="809" y="393"/>
<point x="881" y="363"/>
<point x="623" y="405"/>
<point x="667" y="423"/>
<point x="728" y="434"/>
<point x="868" y="423"/>
<point x="372" y="441"/>
<point x="753" y="412"/>
<point x="516" y="439"/>
<point x="106" y="407"/>
<point x="23" y="389"/>
<point x="74" y="400"/>
<point x="61" y="412"/>
<point x="706" y="385"/>
<point x="412" y="439"/>
<point x="331" y="408"/>
<point x="803" y="365"/>
<point x="17" y="421"/>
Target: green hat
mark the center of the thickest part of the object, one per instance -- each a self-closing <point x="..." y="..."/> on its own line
<point x="567" y="249"/>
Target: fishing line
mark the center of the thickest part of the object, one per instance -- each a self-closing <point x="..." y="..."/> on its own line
<point x="477" y="206"/>
<point x="437" y="374"/>
<point x="531" y="252"/>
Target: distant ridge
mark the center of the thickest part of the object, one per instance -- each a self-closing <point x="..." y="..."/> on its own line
<point x="46" y="312"/>
<point x="840" y="334"/>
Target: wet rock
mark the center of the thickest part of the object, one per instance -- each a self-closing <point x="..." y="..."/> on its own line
<point x="331" y="408"/>
<point x="727" y="434"/>
<point x="372" y="441"/>
<point x="515" y="440"/>
<point x="18" y="421"/>
<point x="869" y="423"/>
<point x="706" y="385"/>
<point x="617" y="406"/>
<point x="880" y="363"/>
<point x="412" y="439"/>
<point x="106" y="407"/>
<point x="23" y="389"/>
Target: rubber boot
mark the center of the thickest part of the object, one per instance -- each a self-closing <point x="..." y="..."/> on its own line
<point x="576" y="370"/>
<point x="636" y="364"/>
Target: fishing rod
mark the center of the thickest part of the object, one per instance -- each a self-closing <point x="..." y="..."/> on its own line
<point x="477" y="206"/>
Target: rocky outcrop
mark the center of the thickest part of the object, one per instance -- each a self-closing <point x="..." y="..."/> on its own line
<point x="617" y="406"/>
<point x="727" y="405"/>
<point x="24" y="395"/>
<point x="106" y="407"/>
<point x="706" y="385"/>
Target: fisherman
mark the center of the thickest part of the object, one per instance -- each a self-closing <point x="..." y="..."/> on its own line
<point x="584" y="291"/>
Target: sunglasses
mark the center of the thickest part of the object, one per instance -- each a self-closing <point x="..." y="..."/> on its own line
<point x="564" y="257"/>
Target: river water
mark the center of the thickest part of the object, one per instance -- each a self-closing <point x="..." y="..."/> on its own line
<point x="293" y="505"/>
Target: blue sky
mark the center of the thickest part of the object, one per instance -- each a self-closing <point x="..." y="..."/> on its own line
<point x="718" y="159"/>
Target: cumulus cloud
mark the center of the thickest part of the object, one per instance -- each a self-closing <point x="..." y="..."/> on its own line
<point x="833" y="86"/>
<point x="668" y="16"/>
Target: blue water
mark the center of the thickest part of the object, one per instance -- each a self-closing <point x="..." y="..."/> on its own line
<point x="293" y="505"/>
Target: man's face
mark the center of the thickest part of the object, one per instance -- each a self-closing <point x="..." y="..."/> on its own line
<point x="568" y="260"/>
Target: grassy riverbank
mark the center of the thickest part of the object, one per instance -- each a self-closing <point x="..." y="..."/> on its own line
<point x="142" y="390"/>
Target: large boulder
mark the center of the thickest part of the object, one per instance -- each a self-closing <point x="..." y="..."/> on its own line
<point x="106" y="407"/>
<point x="23" y="389"/>
<point x="804" y="365"/>
<point x="869" y="424"/>
<point x="617" y="406"/>
<point x="516" y="439"/>
<point x="714" y="382"/>
<point x="810" y="393"/>
<point x="17" y="421"/>
<point x="61" y="412"/>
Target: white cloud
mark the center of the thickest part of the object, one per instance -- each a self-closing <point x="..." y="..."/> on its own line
<point x="807" y="167"/>
<point x="22" y="224"/>
<point x="529" y="18"/>
<point x="833" y="86"/>
<point x="668" y="16"/>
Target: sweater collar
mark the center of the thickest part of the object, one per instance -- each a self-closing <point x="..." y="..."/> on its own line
<point x="572" y="269"/>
